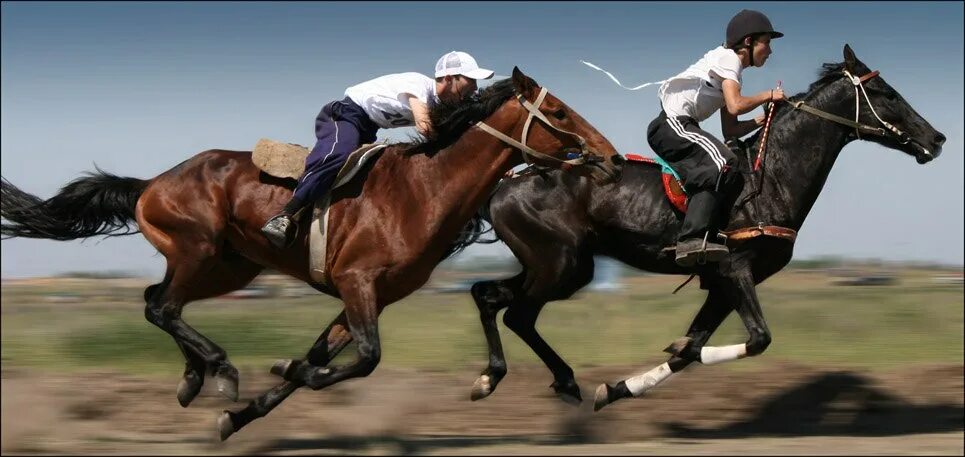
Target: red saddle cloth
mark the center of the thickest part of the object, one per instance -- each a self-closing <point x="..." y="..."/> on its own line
<point x="672" y="188"/>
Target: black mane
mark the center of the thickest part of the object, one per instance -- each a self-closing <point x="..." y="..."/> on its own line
<point x="450" y="120"/>
<point x="827" y="74"/>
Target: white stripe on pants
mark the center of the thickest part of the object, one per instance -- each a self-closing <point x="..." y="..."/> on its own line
<point x="704" y="143"/>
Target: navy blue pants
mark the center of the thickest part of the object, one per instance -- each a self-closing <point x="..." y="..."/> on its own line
<point x="340" y="128"/>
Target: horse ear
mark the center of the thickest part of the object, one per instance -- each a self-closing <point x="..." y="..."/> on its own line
<point x="524" y="84"/>
<point x="850" y="61"/>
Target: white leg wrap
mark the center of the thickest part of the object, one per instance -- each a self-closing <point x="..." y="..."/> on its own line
<point x="637" y="385"/>
<point x="710" y="355"/>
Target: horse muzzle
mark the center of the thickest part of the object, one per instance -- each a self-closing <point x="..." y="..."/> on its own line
<point x="924" y="156"/>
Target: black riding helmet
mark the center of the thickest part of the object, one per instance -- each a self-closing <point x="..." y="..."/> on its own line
<point x="748" y="22"/>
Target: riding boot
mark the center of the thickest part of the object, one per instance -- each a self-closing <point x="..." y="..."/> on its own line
<point x="281" y="229"/>
<point x="697" y="240"/>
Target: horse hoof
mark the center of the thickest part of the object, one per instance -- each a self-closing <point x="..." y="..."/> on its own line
<point x="678" y="345"/>
<point x="602" y="397"/>
<point x="568" y="391"/>
<point x="226" y="427"/>
<point x="570" y="399"/>
<point x="282" y="368"/>
<point x="227" y="381"/>
<point x="481" y="388"/>
<point x="187" y="390"/>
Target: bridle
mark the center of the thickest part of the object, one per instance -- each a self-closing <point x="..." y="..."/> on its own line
<point x="529" y="153"/>
<point x="859" y="90"/>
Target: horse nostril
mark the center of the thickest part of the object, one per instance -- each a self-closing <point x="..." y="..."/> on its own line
<point x="939" y="139"/>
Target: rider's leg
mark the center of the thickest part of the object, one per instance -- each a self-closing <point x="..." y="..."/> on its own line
<point x="706" y="166"/>
<point x="336" y="140"/>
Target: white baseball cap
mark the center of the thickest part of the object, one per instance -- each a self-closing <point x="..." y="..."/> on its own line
<point x="460" y="63"/>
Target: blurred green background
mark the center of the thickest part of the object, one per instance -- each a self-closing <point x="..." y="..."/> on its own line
<point x="857" y="316"/>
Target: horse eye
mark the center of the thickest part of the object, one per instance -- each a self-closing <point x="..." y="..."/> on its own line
<point x="560" y="114"/>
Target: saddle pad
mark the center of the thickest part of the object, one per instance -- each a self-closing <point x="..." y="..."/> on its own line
<point x="671" y="181"/>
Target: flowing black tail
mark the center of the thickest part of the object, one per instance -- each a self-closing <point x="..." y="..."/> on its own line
<point x="97" y="204"/>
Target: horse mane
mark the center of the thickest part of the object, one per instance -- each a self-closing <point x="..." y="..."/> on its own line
<point x="827" y="74"/>
<point x="451" y="119"/>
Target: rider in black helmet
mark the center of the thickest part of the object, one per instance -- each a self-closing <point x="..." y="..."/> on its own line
<point x="705" y="165"/>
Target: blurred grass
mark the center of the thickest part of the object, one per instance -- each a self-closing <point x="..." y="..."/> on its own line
<point x="811" y="321"/>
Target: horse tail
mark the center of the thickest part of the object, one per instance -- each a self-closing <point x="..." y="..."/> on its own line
<point x="97" y="204"/>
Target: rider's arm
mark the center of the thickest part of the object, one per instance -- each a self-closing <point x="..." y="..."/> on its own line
<point x="420" y="112"/>
<point x="737" y="104"/>
<point x="733" y="128"/>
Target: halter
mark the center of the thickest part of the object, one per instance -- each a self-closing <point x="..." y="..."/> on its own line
<point x="528" y="152"/>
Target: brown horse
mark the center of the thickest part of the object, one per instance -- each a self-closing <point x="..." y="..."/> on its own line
<point x="389" y="230"/>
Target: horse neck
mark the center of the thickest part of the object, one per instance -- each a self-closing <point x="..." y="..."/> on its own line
<point x="802" y="149"/>
<point x="457" y="180"/>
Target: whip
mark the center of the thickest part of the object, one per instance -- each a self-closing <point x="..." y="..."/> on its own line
<point x="767" y="126"/>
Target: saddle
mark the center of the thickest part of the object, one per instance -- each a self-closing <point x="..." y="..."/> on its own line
<point x="673" y="188"/>
<point x="285" y="160"/>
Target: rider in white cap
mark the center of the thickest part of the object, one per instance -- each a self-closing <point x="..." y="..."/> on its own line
<point x="390" y="101"/>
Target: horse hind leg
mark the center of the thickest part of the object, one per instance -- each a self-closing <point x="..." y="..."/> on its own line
<point x="555" y="274"/>
<point x="186" y="283"/>
<point x="194" y="366"/>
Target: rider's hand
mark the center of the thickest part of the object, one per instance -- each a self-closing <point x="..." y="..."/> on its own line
<point x="759" y="120"/>
<point x="777" y="94"/>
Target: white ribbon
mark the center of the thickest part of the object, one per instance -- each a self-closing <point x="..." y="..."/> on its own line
<point x="618" y="81"/>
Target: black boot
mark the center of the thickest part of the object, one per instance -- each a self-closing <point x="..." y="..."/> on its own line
<point x="282" y="228"/>
<point x="697" y="241"/>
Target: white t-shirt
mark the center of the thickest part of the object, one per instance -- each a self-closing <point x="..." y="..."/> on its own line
<point x="384" y="99"/>
<point x="698" y="91"/>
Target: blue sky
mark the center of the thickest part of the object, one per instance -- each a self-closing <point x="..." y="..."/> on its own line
<point x="138" y="87"/>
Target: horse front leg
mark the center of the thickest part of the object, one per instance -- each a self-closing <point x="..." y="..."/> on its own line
<point x="490" y="298"/>
<point x="712" y="313"/>
<point x="361" y="315"/>
<point x="738" y="288"/>
<point x="328" y="345"/>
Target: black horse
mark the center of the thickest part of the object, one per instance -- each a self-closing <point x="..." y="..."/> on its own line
<point x="556" y="222"/>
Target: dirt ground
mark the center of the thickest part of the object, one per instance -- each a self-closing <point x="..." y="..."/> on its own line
<point x="784" y="409"/>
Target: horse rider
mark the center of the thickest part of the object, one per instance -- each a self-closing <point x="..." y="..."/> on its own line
<point x="390" y="101"/>
<point x="706" y="166"/>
